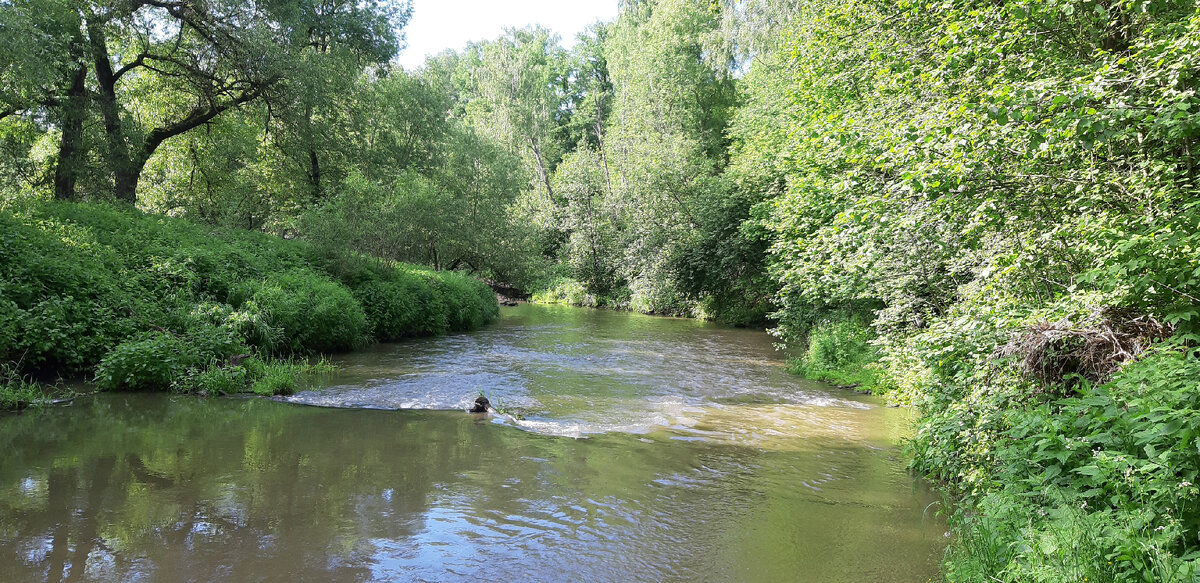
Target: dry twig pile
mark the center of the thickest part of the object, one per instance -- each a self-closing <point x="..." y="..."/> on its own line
<point x="1063" y="353"/>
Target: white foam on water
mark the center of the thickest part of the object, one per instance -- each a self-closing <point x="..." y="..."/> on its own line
<point x="637" y="417"/>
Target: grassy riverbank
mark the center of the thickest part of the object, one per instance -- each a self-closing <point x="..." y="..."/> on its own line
<point x="146" y="302"/>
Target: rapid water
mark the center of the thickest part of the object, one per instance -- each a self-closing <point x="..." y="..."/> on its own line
<point x="629" y="448"/>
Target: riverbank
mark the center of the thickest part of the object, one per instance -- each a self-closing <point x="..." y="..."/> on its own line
<point x="1068" y="437"/>
<point x="146" y="302"/>
<point x="565" y="291"/>
<point x="1065" y="438"/>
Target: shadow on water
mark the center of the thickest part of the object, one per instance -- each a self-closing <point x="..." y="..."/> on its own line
<point x="734" y="486"/>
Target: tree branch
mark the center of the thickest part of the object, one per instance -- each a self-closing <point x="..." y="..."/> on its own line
<point x="138" y="62"/>
<point x="201" y="116"/>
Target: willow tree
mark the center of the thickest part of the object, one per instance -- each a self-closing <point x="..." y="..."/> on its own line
<point x="161" y="68"/>
<point x="41" y="84"/>
<point x="331" y="43"/>
<point x="665" y="140"/>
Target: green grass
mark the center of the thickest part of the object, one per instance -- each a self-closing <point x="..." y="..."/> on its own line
<point x="17" y="392"/>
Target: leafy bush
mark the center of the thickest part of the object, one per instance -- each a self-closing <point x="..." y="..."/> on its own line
<point x="840" y="352"/>
<point x="392" y="307"/>
<point x="150" y="363"/>
<point x="469" y="303"/>
<point x="565" y="291"/>
<point x="1101" y="486"/>
<point x="311" y="312"/>
<point x="152" y="302"/>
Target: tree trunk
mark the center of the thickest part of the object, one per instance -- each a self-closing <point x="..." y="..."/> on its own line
<point x="125" y="162"/>
<point x="117" y="151"/>
<point x="537" y="154"/>
<point x="70" y="148"/>
<point x="600" y="146"/>
<point x="314" y="174"/>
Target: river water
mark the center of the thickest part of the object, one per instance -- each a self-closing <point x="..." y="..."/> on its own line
<point x="628" y="448"/>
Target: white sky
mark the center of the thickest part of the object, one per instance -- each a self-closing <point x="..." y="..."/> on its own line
<point x="450" y="24"/>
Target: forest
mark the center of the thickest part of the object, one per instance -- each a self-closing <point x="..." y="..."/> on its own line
<point x="988" y="211"/>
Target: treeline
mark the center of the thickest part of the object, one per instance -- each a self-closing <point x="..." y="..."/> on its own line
<point x="595" y="173"/>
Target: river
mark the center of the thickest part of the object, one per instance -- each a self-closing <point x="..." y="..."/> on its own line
<point x="629" y="448"/>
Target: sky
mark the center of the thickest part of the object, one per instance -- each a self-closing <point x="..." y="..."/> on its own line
<point x="437" y="25"/>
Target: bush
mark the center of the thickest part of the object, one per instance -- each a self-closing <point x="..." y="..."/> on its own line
<point x="392" y="307"/>
<point x="1102" y="486"/>
<point x="839" y="352"/>
<point x="151" y="302"/>
<point x="152" y="362"/>
<point x="311" y="313"/>
<point x="469" y="303"/>
<point x="565" y="291"/>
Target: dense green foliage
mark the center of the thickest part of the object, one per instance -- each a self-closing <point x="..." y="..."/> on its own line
<point x="1007" y="193"/>
<point x="839" y="352"/>
<point x="154" y="303"/>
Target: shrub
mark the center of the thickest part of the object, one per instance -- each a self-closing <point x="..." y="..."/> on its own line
<point x="840" y="352"/>
<point x="392" y="307"/>
<point x="1102" y="485"/>
<point x="469" y="302"/>
<point x="163" y="359"/>
<point x="565" y="291"/>
<point x="152" y="362"/>
<point x="149" y="301"/>
<point x="311" y="312"/>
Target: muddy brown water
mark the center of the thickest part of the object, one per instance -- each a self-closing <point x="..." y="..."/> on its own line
<point x="631" y="448"/>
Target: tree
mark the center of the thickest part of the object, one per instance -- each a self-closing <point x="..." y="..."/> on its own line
<point x="333" y="43"/>
<point x="42" y="69"/>
<point x="181" y="63"/>
<point x="520" y="79"/>
<point x="151" y="70"/>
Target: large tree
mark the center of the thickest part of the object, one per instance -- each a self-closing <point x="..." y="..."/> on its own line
<point x="161" y="68"/>
<point x="332" y="42"/>
<point x="151" y="70"/>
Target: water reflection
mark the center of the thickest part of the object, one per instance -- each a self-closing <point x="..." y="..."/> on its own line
<point x="751" y="488"/>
